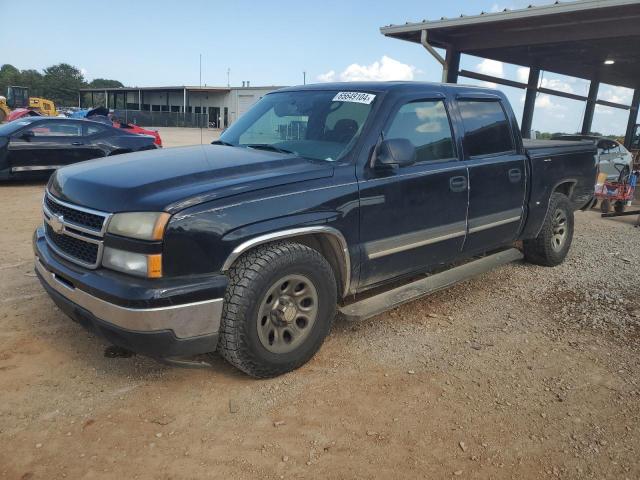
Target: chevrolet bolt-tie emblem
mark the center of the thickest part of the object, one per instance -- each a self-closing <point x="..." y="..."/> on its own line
<point x="56" y="223"/>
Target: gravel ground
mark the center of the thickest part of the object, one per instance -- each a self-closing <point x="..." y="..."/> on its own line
<point x="525" y="372"/>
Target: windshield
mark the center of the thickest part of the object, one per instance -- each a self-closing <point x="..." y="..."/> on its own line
<point x="11" y="127"/>
<point x="321" y="125"/>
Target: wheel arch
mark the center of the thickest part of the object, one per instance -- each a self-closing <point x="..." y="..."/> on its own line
<point x="327" y="240"/>
<point x="565" y="187"/>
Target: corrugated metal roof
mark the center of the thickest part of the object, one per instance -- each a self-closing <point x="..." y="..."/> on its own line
<point x="506" y="15"/>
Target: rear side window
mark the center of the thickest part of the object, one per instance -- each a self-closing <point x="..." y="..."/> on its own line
<point x="426" y="125"/>
<point x="93" y="129"/>
<point x="486" y="128"/>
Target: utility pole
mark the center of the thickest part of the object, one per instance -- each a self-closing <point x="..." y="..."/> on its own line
<point x="304" y="78"/>
<point x="228" y="73"/>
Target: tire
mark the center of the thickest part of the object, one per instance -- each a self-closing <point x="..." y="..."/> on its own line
<point x="552" y="244"/>
<point x="605" y="206"/>
<point x="265" y="332"/>
<point x="619" y="207"/>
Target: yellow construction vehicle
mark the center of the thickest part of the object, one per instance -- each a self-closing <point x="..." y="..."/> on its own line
<point x="18" y="97"/>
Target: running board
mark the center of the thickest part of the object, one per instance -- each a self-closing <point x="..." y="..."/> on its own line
<point x="369" y="307"/>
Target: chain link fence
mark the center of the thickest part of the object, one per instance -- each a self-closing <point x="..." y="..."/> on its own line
<point x="163" y="119"/>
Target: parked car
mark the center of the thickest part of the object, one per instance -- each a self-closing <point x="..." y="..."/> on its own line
<point x="130" y="127"/>
<point x="613" y="158"/>
<point x="102" y="114"/>
<point x="35" y="144"/>
<point x="316" y="195"/>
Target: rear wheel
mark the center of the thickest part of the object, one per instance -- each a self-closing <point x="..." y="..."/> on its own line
<point x="619" y="207"/>
<point x="605" y="206"/>
<point x="279" y="307"/>
<point x="552" y="244"/>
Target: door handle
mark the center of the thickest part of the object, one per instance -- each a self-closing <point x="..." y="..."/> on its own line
<point x="458" y="184"/>
<point x="515" y="175"/>
<point x="77" y="143"/>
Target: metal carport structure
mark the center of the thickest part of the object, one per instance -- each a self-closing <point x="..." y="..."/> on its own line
<point x="597" y="40"/>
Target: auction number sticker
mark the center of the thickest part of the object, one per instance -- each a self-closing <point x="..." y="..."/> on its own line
<point x="355" y="97"/>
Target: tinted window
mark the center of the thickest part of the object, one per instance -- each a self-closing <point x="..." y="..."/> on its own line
<point x="56" y="129"/>
<point x="93" y="129"/>
<point x="426" y="125"/>
<point x="486" y="128"/>
<point x="11" y="127"/>
<point x="322" y="125"/>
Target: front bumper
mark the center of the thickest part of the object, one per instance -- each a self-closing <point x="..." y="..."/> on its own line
<point x="159" y="318"/>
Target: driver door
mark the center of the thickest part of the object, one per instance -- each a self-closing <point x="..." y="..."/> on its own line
<point x="45" y="145"/>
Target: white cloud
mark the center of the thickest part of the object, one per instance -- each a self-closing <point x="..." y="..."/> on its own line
<point x="556" y="84"/>
<point x="491" y="67"/>
<point x="617" y="95"/>
<point x="384" y="69"/>
<point x="83" y="71"/>
<point x="330" y="76"/>
<point x="523" y="74"/>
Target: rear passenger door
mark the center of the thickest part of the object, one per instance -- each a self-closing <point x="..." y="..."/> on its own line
<point x="497" y="173"/>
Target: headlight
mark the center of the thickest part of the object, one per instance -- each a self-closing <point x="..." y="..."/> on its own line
<point x="139" y="264"/>
<point x="140" y="225"/>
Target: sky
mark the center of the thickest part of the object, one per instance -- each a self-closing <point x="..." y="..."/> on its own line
<point x="157" y="43"/>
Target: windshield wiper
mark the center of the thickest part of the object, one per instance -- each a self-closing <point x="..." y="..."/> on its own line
<point x="222" y="142"/>
<point x="266" y="146"/>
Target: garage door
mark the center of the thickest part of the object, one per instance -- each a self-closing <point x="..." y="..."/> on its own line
<point x="245" y="102"/>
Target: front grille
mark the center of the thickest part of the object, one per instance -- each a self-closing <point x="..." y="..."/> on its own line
<point x="73" y="247"/>
<point x="73" y="232"/>
<point x="77" y="217"/>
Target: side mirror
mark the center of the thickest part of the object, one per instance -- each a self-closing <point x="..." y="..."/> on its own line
<point x="395" y="152"/>
<point x="28" y="135"/>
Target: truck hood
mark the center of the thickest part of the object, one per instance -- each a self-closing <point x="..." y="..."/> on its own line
<point x="176" y="178"/>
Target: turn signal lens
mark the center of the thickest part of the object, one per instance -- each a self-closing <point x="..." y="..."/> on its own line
<point x="154" y="266"/>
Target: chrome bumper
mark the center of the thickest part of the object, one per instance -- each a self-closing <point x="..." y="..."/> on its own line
<point x="186" y="320"/>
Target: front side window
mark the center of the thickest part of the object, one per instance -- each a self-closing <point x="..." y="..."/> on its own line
<point x="426" y="125"/>
<point x="321" y="125"/>
<point x="56" y="129"/>
<point x="486" y="128"/>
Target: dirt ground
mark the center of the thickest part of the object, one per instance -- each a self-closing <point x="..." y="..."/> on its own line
<point x="525" y="372"/>
<point x="176" y="136"/>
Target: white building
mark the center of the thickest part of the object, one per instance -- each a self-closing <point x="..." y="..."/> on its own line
<point x="223" y="105"/>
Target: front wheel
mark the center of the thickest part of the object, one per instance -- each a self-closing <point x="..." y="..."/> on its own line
<point x="278" y="309"/>
<point x="552" y="244"/>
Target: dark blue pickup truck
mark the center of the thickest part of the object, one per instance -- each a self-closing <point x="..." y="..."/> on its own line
<point x="337" y="197"/>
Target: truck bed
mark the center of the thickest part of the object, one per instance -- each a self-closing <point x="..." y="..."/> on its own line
<point x="536" y="148"/>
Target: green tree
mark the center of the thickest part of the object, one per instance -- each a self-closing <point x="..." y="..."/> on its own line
<point x="9" y="75"/>
<point x="62" y="83"/>
<point x="105" y="83"/>
<point x="34" y="80"/>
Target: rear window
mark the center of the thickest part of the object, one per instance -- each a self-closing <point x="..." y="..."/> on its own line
<point x="486" y="127"/>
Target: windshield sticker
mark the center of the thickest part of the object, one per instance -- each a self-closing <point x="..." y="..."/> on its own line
<point x="355" y="97"/>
